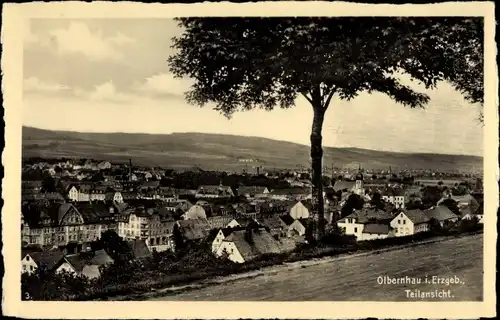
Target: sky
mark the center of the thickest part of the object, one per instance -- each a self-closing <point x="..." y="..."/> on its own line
<point x="111" y="75"/>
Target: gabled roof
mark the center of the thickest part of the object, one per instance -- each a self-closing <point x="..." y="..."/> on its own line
<point x="417" y="216"/>
<point x="101" y="258"/>
<point x="291" y="191"/>
<point x="251" y="189"/>
<point x="76" y="262"/>
<point x="272" y="222"/>
<point x="376" y="228"/>
<point x="342" y="185"/>
<point x="194" y="229"/>
<point x="244" y="222"/>
<point x="368" y="215"/>
<point x="214" y="189"/>
<point x="288" y="220"/>
<point x="47" y="259"/>
<point x="251" y="244"/>
<point x="219" y="221"/>
<point x="440" y="213"/>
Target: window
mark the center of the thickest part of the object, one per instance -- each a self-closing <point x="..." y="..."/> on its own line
<point x="399" y="221"/>
<point x="24" y="267"/>
<point x="355" y="230"/>
<point x="27" y="258"/>
<point x="404" y="221"/>
<point x="31" y="268"/>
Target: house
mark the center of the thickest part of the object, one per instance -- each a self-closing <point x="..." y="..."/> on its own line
<point x="441" y="214"/>
<point x="193" y="230"/>
<point x="252" y="191"/>
<point x="214" y="191"/>
<point x="466" y="200"/>
<point x="467" y="214"/>
<point x="372" y="231"/>
<point x="153" y="226"/>
<point x="241" y="222"/>
<point x="73" y="264"/>
<point x="395" y="197"/>
<point x="222" y="234"/>
<point x="409" y="222"/>
<point x="354" y="223"/>
<point x="49" y="260"/>
<point x="301" y="210"/>
<point x="293" y="227"/>
<point x="275" y="225"/>
<point x="219" y="222"/>
<point x="195" y="212"/>
<point x="296" y="193"/>
<point x="60" y="224"/>
<point x="244" y="245"/>
<point x="115" y="196"/>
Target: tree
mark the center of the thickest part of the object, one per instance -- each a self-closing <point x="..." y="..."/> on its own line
<point x="49" y="184"/>
<point x="245" y="63"/>
<point x="353" y="202"/>
<point x="116" y="247"/>
<point x="377" y="201"/>
<point x="452" y="205"/>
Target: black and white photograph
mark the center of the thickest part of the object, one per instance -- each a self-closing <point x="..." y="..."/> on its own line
<point x="251" y="156"/>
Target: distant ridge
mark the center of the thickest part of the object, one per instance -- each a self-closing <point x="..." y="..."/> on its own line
<point x="222" y="151"/>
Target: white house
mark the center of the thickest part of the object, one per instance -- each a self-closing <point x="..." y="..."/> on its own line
<point x="409" y="222"/>
<point x="300" y="211"/>
<point x="396" y="197"/>
<point x="354" y="224"/>
<point x="47" y="259"/>
<point x="221" y="235"/>
<point x="241" y="246"/>
<point x="293" y="227"/>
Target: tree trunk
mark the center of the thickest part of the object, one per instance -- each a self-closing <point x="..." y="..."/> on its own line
<point x="318" y="210"/>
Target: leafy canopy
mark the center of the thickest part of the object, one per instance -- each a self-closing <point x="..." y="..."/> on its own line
<point x="245" y="63"/>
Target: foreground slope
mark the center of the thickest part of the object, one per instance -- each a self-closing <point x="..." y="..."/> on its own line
<point x="355" y="278"/>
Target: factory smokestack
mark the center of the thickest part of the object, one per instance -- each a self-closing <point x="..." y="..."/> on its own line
<point x="129" y="169"/>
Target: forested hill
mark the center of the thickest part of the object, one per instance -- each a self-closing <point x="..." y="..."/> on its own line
<point x="221" y="152"/>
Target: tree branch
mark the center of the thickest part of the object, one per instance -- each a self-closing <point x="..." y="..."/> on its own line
<point x="329" y="98"/>
<point x="305" y="96"/>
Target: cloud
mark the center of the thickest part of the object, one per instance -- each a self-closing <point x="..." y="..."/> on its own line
<point x="104" y="92"/>
<point x="35" y="85"/>
<point x="163" y="84"/>
<point x="78" y="38"/>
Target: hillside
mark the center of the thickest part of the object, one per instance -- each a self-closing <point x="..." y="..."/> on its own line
<point x="220" y="152"/>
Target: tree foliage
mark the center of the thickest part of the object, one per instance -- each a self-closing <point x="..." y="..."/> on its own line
<point x="244" y="63"/>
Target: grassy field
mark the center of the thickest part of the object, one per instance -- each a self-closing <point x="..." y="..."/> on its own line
<point x="221" y="152"/>
<point x="355" y="279"/>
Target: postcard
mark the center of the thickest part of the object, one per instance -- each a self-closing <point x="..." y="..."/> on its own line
<point x="255" y="160"/>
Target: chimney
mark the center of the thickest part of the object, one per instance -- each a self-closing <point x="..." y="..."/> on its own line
<point x="130" y="170"/>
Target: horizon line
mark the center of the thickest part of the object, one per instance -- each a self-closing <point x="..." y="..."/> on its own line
<point x="249" y="136"/>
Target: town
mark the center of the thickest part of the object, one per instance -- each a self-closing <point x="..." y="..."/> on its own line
<point x="69" y="207"/>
